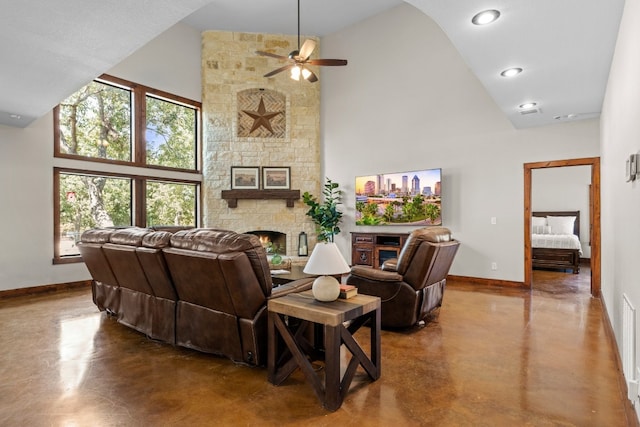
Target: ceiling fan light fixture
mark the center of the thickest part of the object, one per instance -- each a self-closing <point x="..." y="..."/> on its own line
<point x="485" y="17"/>
<point x="300" y="58"/>
<point x="295" y="73"/>
<point x="510" y="72"/>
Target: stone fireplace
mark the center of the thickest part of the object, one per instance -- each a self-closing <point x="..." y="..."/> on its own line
<point x="231" y="74"/>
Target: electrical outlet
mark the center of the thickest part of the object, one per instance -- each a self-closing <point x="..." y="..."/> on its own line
<point x="493" y="220"/>
<point x="494" y="265"/>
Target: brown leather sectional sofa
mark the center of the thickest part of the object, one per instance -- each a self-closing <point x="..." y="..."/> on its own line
<point x="203" y="289"/>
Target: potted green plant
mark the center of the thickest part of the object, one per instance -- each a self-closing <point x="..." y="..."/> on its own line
<point x="325" y="215"/>
<point x="273" y="250"/>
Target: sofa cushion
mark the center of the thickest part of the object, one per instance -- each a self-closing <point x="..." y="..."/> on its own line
<point x="105" y="288"/>
<point x="129" y="236"/>
<point x="213" y="240"/>
<point x="157" y="240"/>
<point x="97" y="235"/>
<point x="225" y="241"/>
<point x="154" y="265"/>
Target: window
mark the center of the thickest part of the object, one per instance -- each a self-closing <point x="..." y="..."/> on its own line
<point x="86" y="201"/>
<point x="170" y="134"/>
<point x="96" y="122"/>
<point x="170" y="203"/>
<point x="126" y="155"/>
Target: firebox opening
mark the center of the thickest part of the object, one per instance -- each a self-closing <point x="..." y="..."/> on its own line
<point x="273" y="241"/>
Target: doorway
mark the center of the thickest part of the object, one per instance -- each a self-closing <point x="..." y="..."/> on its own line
<point x="594" y="214"/>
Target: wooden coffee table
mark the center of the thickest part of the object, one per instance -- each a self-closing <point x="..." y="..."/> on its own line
<point x="332" y="317"/>
<point x="294" y="273"/>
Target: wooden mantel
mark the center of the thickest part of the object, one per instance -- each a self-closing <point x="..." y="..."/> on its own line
<point x="232" y="196"/>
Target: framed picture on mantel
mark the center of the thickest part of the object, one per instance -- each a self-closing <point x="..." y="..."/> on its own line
<point x="245" y="178"/>
<point x="276" y="178"/>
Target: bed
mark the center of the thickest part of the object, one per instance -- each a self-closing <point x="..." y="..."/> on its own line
<point x="555" y="240"/>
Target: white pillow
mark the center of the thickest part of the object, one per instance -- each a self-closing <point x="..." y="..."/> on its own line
<point x="561" y="224"/>
<point x="541" y="229"/>
<point x="538" y="221"/>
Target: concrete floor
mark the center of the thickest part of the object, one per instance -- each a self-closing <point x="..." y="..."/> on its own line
<point x="491" y="357"/>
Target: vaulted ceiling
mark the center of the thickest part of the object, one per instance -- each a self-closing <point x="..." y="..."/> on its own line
<point x="50" y="49"/>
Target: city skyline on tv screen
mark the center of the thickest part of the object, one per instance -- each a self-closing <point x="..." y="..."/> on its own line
<point x="400" y="198"/>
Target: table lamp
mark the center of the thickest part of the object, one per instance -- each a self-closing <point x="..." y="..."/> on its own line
<point x="326" y="261"/>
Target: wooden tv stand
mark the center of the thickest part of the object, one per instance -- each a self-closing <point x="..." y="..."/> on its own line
<point x="372" y="249"/>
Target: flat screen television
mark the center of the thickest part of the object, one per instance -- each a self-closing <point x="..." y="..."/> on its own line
<point x="402" y="198"/>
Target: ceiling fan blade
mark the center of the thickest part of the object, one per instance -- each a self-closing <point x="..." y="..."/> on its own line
<point x="279" y="70"/>
<point x="327" y="62"/>
<point x="307" y="49"/>
<point x="272" y="55"/>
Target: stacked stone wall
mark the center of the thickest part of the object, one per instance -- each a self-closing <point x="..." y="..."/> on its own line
<point x="232" y="73"/>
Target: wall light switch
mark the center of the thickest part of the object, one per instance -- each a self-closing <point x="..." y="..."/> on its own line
<point x="493" y="220"/>
<point x="632" y="390"/>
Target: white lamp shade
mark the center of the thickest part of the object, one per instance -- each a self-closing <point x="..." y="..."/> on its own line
<point x="326" y="259"/>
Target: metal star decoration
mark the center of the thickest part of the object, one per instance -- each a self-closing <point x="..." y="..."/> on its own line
<point x="261" y="118"/>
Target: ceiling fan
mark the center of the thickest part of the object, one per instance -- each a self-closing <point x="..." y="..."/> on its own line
<point x="299" y="59"/>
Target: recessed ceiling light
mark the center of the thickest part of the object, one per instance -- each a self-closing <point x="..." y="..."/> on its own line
<point x="527" y="105"/>
<point x="15" y="116"/>
<point x="485" y="17"/>
<point x="566" y="117"/>
<point x="510" y="72"/>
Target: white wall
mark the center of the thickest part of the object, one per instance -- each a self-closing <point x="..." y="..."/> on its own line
<point x="621" y="199"/>
<point x="26" y="213"/>
<point x="564" y="189"/>
<point x="407" y="101"/>
<point x="171" y="63"/>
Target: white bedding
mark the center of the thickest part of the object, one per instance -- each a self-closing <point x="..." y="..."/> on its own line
<point x="556" y="241"/>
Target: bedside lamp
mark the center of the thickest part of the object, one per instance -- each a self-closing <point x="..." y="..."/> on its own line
<point x="325" y="261"/>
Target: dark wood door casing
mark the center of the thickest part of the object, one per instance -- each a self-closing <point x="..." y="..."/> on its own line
<point x="594" y="216"/>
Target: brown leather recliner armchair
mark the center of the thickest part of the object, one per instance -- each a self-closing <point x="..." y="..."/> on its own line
<point x="412" y="285"/>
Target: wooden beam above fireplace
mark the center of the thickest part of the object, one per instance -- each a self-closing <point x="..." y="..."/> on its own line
<point x="232" y="196"/>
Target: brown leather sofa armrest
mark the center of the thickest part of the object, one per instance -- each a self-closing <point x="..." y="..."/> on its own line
<point x="291" y="287"/>
<point x="390" y="265"/>
<point x="377" y="275"/>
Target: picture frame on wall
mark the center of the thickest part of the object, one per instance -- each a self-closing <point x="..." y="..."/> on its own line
<point x="276" y="178"/>
<point x="245" y="177"/>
